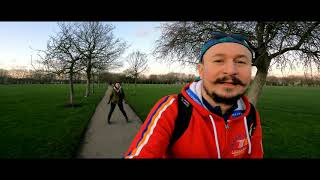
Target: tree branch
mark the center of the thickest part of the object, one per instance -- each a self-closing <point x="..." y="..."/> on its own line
<point x="304" y="36"/>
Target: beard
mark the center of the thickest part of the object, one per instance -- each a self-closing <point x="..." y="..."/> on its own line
<point x="225" y="100"/>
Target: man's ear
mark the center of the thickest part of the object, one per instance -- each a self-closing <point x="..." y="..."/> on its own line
<point x="200" y="69"/>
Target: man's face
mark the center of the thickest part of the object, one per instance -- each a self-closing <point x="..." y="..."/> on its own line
<point x="226" y="72"/>
<point x="117" y="85"/>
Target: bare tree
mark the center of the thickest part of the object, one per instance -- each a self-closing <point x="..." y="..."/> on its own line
<point x="98" y="47"/>
<point x="138" y="63"/>
<point x="287" y="44"/>
<point x="62" y="57"/>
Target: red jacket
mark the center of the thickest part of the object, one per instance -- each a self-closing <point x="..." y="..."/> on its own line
<point x="206" y="136"/>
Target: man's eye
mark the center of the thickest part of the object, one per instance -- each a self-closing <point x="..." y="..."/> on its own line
<point x="218" y="61"/>
<point x="241" y="62"/>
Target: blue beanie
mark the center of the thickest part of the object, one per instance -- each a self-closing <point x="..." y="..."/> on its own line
<point x="213" y="42"/>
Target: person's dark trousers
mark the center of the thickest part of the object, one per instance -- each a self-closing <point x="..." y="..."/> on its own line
<point x="110" y="112"/>
<point x="120" y="105"/>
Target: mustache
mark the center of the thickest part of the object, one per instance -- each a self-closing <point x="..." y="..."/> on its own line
<point x="224" y="100"/>
<point x="234" y="79"/>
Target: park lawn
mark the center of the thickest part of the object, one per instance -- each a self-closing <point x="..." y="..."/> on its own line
<point x="36" y="124"/>
<point x="144" y="96"/>
<point x="290" y="121"/>
<point x="289" y="116"/>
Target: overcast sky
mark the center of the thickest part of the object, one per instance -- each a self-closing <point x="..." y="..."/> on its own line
<point x="18" y="39"/>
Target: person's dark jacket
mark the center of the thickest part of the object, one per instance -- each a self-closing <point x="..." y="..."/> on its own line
<point x="116" y="95"/>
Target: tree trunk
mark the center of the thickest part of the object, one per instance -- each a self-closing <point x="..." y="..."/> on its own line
<point x="71" y="88"/>
<point x="135" y="85"/>
<point x="88" y="83"/>
<point x="92" y="83"/>
<point x="88" y="71"/>
<point x="256" y="86"/>
<point x="88" y="86"/>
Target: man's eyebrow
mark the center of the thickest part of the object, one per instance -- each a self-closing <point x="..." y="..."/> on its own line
<point x="241" y="56"/>
<point x="223" y="55"/>
<point x="219" y="55"/>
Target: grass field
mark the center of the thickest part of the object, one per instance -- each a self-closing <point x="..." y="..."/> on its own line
<point x="36" y="124"/>
<point x="144" y="96"/>
<point x="290" y="117"/>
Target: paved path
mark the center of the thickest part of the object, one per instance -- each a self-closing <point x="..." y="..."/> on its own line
<point x="109" y="141"/>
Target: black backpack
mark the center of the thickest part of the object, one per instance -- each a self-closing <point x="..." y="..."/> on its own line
<point x="184" y="116"/>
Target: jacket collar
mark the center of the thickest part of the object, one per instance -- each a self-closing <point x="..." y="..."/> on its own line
<point x="193" y="94"/>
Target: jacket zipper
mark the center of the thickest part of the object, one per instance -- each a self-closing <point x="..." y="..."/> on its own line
<point x="227" y="127"/>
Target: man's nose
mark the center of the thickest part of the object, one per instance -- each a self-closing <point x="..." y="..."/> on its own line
<point x="230" y="68"/>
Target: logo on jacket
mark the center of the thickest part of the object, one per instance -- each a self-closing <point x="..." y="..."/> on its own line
<point x="239" y="145"/>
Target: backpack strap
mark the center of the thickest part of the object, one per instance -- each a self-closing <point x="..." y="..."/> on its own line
<point x="182" y="120"/>
<point x="251" y="120"/>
